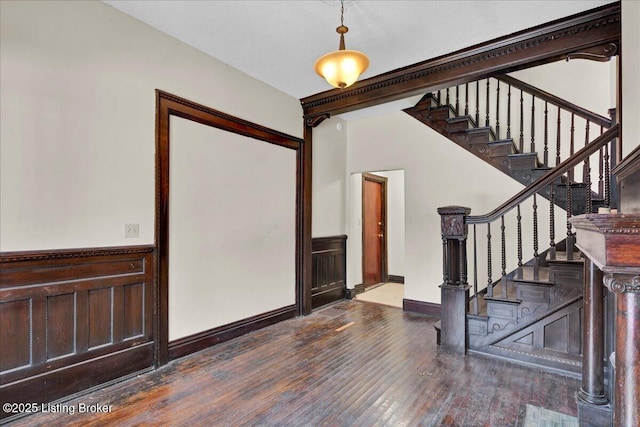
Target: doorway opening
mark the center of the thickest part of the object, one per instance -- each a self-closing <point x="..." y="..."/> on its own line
<point x="377" y="259"/>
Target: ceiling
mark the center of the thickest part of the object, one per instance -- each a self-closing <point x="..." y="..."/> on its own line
<point x="277" y="42"/>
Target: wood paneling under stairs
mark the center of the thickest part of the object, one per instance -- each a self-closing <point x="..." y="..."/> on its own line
<point x="383" y="369"/>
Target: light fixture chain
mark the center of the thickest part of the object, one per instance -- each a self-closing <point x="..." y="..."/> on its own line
<point x="341" y="12"/>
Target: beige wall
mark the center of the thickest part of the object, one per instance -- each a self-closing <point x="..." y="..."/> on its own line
<point x="77" y="121"/>
<point x="329" y="179"/>
<point x="231" y="235"/>
<point x="630" y="75"/>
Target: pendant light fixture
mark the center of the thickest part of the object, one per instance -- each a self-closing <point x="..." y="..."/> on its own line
<point x="341" y="68"/>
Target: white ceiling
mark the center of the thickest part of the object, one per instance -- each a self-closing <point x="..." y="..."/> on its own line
<point x="278" y="41"/>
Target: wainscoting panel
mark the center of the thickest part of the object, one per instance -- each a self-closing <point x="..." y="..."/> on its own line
<point x="329" y="284"/>
<point x="73" y="319"/>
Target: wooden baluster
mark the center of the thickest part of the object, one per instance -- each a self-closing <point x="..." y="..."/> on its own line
<point x="448" y="102"/>
<point x="503" y="278"/>
<point x="570" y="241"/>
<point x="489" y="281"/>
<point x="475" y="271"/>
<point x="607" y="178"/>
<point x="462" y="262"/>
<point x="552" y="223"/>
<point x="536" y="256"/>
<point x="587" y="178"/>
<point x="519" y="219"/>
<point x="586" y="133"/>
<point x="558" y="139"/>
<point x="546" y="135"/>
<point x="533" y="123"/>
<point x="445" y="266"/>
<point x="477" y="102"/>
<point x="439" y="97"/>
<point x="457" y="100"/>
<point x="509" y="113"/>
<point x="600" y="173"/>
<point x="521" y="146"/>
<point x="497" y="110"/>
<point x="486" y="123"/>
<point x="571" y="144"/>
<point x="466" y="99"/>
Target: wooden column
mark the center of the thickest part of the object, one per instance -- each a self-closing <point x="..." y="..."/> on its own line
<point x="612" y="243"/>
<point x="454" y="288"/>
<point x="626" y="288"/>
<point x="592" y="393"/>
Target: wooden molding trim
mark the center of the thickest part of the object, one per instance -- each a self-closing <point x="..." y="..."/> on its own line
<point x="202" y="340"/>
<point x="544" y="43"/>
<point x="168" y="105"/>
<point x="422" y="307"/>
<point x="59" y="254"/>
<point x="359" y="288"/>
<point x="396" y="279"/>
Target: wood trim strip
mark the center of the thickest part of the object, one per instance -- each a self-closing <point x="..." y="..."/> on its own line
<point x="396" y="279"/>
<point x="196" y="342"/>
<point x="168" y="105"/>
<point x="422" y="307"/>
<point x="544" y="43"/>
<point x="7" y="258"/>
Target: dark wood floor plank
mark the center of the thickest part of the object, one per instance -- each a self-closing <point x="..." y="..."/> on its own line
<point x="384" y="370"/>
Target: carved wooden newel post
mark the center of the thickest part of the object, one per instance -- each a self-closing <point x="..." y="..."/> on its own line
<point x="454" y="288"/>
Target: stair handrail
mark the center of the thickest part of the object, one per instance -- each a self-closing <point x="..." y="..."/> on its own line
<point x="545" y="180"/>
<point x="552" y="99"/>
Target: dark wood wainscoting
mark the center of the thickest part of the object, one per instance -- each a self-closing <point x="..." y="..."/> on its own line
<point x="73" y="319"/>
<point x="329" y="257"/>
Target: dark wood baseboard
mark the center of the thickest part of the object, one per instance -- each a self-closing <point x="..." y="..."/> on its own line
<point x="359" y="288"/>
<point x="196" y="342"/>
<point x="422" y="307"/>
<point x="71" y="380"/>
<point x="396" y="279"/>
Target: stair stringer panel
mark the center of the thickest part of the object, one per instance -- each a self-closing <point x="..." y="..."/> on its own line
<point x="553" y="342"/>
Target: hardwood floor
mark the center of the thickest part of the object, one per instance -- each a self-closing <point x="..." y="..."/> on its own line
<point x="382" y="370"/>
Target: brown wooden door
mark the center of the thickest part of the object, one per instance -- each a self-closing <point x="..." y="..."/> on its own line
<point x="373" y="229"/>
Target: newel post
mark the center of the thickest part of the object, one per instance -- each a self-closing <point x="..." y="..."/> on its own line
<point x="454" y="289"/>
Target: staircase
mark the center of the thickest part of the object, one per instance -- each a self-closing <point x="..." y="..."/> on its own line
<point x="531" y="314"/>
<point x="444" y="115"/>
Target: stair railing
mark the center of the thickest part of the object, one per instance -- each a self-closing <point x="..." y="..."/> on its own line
<point x="535" y="121"/>
<point x="455" y="223"/>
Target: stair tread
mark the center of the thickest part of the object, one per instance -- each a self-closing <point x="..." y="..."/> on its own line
<point x="459" y="119"/>
<point x="561" y="257"/>
<point x="527" y="276"/>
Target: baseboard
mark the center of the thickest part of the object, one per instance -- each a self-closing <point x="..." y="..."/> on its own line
<point x="396" y="279"/>
<point x="359" y="288"/>
<point x="422" y="307"/>
<point x="77" y="378"/>
<point x="196" y="342"/>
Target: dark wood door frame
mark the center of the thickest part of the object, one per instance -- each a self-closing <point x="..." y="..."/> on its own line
<point x="168" y="105"/>
<point x="384" y="266"/>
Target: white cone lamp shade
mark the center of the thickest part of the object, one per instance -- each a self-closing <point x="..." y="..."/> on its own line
<point x="341" y="68"/>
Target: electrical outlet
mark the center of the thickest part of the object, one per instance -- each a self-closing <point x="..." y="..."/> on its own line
<point x="131" y="230"/>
